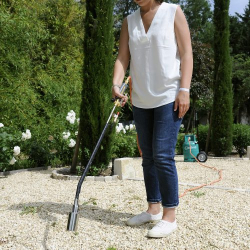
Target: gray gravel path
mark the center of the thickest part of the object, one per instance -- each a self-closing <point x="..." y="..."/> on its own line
<point x="34" y="211"/>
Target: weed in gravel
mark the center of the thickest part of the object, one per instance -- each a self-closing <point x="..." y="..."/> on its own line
<point x="198" y="194"/>
<point x="111" y="248"/>
<point x="53" y="224"/>
<point x="135" y="197"/>
<point x="91" y="200"/>
<point x="29" y="210"/>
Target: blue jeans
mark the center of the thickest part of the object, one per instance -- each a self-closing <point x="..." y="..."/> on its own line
<point x="157" y="130"/>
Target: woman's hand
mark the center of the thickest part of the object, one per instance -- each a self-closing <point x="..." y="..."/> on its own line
<point x="182" y="102"/>
<point x="116" y="94"/>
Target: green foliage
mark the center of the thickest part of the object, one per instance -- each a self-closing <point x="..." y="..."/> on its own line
<point x="29" y="210"/>
<point x="125" y="145"/>
<point x="199" y="18"/>
<point x="41" y="60"/>
<point x="240" y="32"/>
<point x="241" y="136"/>
<point x="198" y="194"/>
<point x="241" y="82"/>
<point x="222" y="118"/>
<point x="98" y="67"/>
<point x="7" y="143"/>
<point x="179" y="143"/>
<point x="202" y="137"/>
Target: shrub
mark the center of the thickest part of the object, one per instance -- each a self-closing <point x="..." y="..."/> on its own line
<point x="202" y="137"/>
<point x="179" y="144"/>
<point x="222" y="115"/>
<point x="125" y="142"/>
<point x="12" y="148"/>
<point x="241" y="136"/>
<point x="97" y="77"/>
<point x="21" y="150"/>
<point x="41" y="75"/>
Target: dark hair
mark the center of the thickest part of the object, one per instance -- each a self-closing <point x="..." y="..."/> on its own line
<point x="160" y="1"/>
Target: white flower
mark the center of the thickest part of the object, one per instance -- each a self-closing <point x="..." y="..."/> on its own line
<point x="26" y="135"/>
<point x="131" y="126"/>
<point x="1" y="125"/>
<point x="66" y="135"/>
<point x="127" y="127"/>
<point x="72" y="143"/>
<point x="76" y="133"/>
<point x="119" y="127"/>
<point x="182" y="125"/>
<point x="124" y="131"/>
<point x="16" y="150"/>
<point x="71" y="116"/>
<point x="78" y="120"/>
<point x="12" y="162"/>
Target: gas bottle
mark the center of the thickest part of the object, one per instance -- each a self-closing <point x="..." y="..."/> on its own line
<point x="190" y="141"/>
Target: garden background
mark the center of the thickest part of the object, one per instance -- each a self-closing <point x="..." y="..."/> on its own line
<point x="45" y="86"/>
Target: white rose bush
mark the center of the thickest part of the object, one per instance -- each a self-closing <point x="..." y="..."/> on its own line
<point x="125" y="141"/>
<point x="21" y="149"/>
<point x="11" y="147"/>
<point x="68" y="138"/>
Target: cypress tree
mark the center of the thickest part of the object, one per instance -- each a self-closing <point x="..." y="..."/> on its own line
<point x="97" y="82"/>
<point x="222" y="117"/>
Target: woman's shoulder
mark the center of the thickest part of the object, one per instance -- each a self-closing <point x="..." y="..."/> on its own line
<point x="170" y="8"/>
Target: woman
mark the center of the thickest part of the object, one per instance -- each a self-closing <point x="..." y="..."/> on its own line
<point x="155" y="39"/>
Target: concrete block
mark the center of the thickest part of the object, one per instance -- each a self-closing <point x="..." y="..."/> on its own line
<point x="248" y="152"/>
<point x="99" y="178"/>
<point x="123" y="167"/>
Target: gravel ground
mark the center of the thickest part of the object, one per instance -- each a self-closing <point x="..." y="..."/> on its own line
<point x="34" y="211"/>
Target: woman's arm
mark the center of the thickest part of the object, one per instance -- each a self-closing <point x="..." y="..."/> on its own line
<point x="121" y="62"/>
<point x="185" y="49"/>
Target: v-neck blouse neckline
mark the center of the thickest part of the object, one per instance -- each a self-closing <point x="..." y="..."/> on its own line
<point x="152" y="23"/>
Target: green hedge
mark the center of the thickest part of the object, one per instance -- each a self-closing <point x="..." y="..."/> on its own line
<point x="241" y="138"/>
<point x="41" y="60"/>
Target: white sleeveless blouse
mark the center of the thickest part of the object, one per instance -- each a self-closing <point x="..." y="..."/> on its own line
<point x="155" y="60"/>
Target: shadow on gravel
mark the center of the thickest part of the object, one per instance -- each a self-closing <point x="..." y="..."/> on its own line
<point x="45" y="211"/>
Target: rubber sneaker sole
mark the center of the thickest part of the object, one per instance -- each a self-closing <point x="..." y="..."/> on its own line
<point x="152" y="234"/>
<point x="139" y="224"/>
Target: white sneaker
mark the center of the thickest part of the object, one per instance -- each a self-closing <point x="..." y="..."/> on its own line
<point x="162" y="229"/>
<point x="142" y="218"/>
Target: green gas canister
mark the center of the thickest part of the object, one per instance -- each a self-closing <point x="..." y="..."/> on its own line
<point x="190" y="141"/>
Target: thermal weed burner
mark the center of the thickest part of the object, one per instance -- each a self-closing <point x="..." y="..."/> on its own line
<point x="73" y="216"/>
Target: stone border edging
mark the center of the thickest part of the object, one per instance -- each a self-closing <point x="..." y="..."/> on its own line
<point x="229" y="158"/>
<point x="58" y="176"/>
<point x="6" y="173"/>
